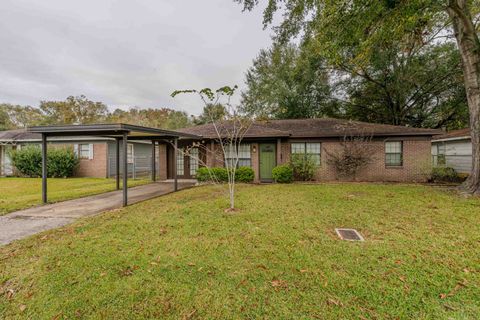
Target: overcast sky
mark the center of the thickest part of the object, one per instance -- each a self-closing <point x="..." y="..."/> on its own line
<point x="124" y="52"/>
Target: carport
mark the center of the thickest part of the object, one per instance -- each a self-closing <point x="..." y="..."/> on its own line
<point x="121" y="133"/>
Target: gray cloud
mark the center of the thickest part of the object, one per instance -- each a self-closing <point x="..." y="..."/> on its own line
<point x="123" y="52"/>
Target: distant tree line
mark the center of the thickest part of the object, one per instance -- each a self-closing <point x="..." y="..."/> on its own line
<point x="80" y="110"/>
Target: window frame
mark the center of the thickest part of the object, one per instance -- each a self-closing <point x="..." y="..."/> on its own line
<point x="130" y="153"/>
<point x="78" y="151"/>
<point x="180" y="165"/>
<point x="247" y="146"/>
<point x="387" y="165"/>
<point x="305" y="148"/>
<point x="194" y="160"/>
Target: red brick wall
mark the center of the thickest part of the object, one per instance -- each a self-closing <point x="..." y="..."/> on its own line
<point x="96" y="167"/>
<point x="162" y="161"/>
<point x="416" y="162"/>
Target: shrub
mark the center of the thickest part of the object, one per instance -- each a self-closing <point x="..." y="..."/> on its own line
<point x="216" y="174"/>
<point x="445" y="174"/>
<point x="60" y="162"/>
<point x="283" y="174"/>
<point x="219" y="174"/>
<point x="303" y="167"/>
<point x="28" y="161"/>
<point x="355" y="153"/>
<point x="244" y="174"/>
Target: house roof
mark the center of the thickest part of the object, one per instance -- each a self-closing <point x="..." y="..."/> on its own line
<point x="454" y="135"/>
<point x="89" y="132"/>
<point x="316" y="128"/>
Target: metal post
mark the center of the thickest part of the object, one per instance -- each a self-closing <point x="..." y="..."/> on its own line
<point x="44" y="168"/>
<point x="175" y="180"/>
<point x="125" y="170"/>
<point x="154" y="173"/>
<point x="117" y="163"/>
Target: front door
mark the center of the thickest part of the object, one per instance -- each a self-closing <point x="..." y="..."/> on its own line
<point x="268" y="160"/>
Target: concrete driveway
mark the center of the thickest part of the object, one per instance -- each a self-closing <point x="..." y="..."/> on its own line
<point x="24" y="223"/>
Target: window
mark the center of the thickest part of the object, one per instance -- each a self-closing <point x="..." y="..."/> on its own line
<point x="130" y="153"/>
<point x="180" y="162"/>
<point x="312" y="149"/>
<point x="193" y="161"/>
<point x="393" y="153"/>
<point x="244" y="156"/>
<point x="441" y="159"/>
<point x="84" y="151"/>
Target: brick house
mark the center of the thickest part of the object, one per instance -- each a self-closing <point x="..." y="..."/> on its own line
<point x="400" y="154"/>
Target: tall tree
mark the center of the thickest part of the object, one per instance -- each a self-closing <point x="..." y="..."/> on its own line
<point x="286" y="82"/>
<point x="151" y="117"/>
<point x="365" y="24"/>
<point x="74" y="110"/>
<point x="211" y="112"/>
<point x="420" y="87"/>
<point x="20" y="116"/>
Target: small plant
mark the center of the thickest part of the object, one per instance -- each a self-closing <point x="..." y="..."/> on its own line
<point x="303" y="166"/>
<point x="216" y="174"/>
<point x="445" y="174"/>
<point x="282" y="174"/>
<point x="244" y="174"/>
<point x="354" y="154"/>
<point x="28" y="161"/>
<point x="61" y="163"/>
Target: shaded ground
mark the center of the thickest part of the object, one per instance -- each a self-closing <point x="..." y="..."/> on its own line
<point x="21" y="193"/>
<point x="21" y="224"/>
<point x="180" y="256"/>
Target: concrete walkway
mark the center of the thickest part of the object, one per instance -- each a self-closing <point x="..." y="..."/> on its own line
<point x="24" y="223"/>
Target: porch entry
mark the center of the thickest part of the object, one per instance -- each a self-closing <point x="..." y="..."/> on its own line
<point x="268" y="160"/>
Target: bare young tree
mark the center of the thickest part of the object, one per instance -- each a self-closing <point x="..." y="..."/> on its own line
<point x="230" y="130"/>
<point x="355" y="153"/>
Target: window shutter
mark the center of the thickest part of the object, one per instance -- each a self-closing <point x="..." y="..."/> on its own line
<point x="90" y="151"/>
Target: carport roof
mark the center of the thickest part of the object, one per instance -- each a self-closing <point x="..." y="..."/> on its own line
<point x="113" y="130"/>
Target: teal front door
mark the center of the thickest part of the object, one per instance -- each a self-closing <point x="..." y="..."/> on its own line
<point x="268" y="160"/>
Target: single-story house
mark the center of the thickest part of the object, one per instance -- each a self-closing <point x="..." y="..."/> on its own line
<point x="97" y="154"/>
<point x="453" y="149"/>
<point x="398" y="153"/>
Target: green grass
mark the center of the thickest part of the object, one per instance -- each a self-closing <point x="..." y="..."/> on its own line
<point x="21" y="193"/>
<point x="181" y="256"/>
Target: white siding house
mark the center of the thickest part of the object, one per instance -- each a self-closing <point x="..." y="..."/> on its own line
<point x="454" y="150"/>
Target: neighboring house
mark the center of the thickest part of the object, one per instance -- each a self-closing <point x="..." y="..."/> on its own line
<point x="97" y="154"/>
<point x="453" y="149"/>
<point x="398" y="153"/>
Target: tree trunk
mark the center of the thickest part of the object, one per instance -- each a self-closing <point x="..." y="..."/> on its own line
<point x="469" y="46"/>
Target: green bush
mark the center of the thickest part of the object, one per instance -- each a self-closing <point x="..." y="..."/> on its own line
<point x="283" y="174"/>
<point x="28" y="161"/>
<point x="304" y="167"/>
<point x="60" y="162"/>
<point x="445" y="174"/>
<point x="244" y="174"/>
<point x="219" y="174"/>
<point x="216" y="174"/>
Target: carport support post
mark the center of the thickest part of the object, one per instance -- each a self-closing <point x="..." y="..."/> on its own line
<point x="117" y="163"/>
<point x="125" y="169"/>
<point x="154" y="174"/>
<point x="44" y="168"/>
<point x="175" y="180"/>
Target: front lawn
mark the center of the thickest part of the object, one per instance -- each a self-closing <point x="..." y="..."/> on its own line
<point x="181" y="257"/>
<point x="21" y="193"/>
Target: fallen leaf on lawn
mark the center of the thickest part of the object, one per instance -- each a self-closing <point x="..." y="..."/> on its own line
<point x="303" y="270"/>
<point x="334" y="302"/>
<point x="402" y="278"/>
<point x="103" y="274"/>
<point x="22" y="307"/>
<point x="457" y="287"/>
<point x="279" y="284"/>
<point x="398" y="261"/>
<point x="10" y="294"/>
<point x="189" y="315"/>
<point x="261" y="266"/>
<point x="153" y="263"/>
<point x="466" y="270"/>
<point x="191" y="264"/>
